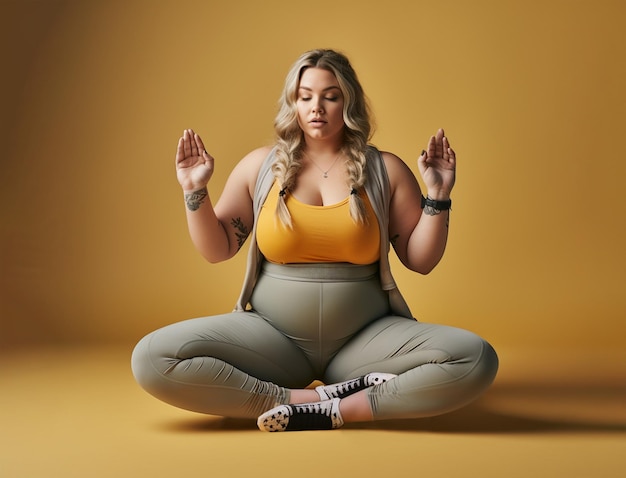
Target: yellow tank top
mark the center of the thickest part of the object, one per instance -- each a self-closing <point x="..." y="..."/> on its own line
<point x="319" y="234"/>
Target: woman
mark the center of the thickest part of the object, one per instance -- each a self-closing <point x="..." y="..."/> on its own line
<point x="318" y="301"/>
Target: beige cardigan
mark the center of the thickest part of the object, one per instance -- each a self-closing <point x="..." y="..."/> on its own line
<point x="377" y="189"/>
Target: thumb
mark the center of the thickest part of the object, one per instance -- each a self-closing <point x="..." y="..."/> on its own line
<point x="422" y="157"/>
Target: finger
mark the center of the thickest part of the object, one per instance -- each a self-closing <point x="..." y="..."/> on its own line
<point x="431" y="149"/>
<point x="446" y="147"/>
<point x="186" y="143"/>
<point x="452" y="157"/>
<point x="199" y="144"/>
<point x="180" y="150"/>
<point x="192" y="143"/>
<point x="439" y="143"/>
<point x="422" y="157"/>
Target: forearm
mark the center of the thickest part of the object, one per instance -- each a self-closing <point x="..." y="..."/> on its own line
<point x="427" y="243"/>
<point x="207" y="232"/>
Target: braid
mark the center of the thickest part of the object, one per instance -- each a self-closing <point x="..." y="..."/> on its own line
<point x="285" y="169"/>
<point x="355" y="150"/>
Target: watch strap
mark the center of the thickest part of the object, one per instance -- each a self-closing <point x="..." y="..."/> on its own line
<point x="438" y="205"/>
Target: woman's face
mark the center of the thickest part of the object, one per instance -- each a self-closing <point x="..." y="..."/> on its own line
<point x="320" y="105"/>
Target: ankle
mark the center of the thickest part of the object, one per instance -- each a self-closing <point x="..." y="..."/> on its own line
<point x="356" y="408"/>
<point x="304" y="396"/>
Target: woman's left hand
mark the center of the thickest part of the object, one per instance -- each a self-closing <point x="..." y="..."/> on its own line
<point x="437" y="165"/>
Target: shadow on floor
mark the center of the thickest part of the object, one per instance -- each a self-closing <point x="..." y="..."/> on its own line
<point x="505" y="409"/>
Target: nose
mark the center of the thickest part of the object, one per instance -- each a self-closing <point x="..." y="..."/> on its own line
<point x="316" y="107"/>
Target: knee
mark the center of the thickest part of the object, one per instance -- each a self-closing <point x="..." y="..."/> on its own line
<point x="483" y="363"/>
<point x="487" y="363"/>
<point x="139" y="360"/>
<point x="476" y="359"/>
<point x="478" y="366"/>
<point x="145" y="364"/>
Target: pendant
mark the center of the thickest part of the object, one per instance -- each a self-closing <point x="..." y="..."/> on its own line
<point x="325" y="175"/>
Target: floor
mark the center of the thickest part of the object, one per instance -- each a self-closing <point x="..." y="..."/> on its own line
<point x="69" y="412"/>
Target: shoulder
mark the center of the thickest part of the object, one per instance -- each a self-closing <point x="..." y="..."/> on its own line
<point x="398" y="171"/>
<point x="252" y="161"/>
<point x="246" y="172"/>
<point x="248" y="167"/>
<point x="393" y="163"/>
<point x="240" y="185"/>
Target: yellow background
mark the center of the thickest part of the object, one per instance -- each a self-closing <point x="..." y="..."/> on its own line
<point x="94" y="251"/>
<point x="94" y="246"/>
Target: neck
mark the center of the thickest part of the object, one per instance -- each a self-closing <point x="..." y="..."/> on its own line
<point x="322" y="148"/>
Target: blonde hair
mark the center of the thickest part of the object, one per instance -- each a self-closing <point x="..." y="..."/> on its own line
<point x="290" y="138"/>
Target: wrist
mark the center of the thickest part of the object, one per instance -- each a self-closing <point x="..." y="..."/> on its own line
<point x="191" y="189"/>
<point x="438" y="195"/>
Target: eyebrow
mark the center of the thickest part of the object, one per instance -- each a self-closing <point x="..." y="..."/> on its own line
<point x="333" y="87"/>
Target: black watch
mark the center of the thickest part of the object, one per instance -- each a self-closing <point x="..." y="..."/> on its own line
<point x="438" y="205"/>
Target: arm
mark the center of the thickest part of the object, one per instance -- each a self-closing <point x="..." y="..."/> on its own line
<point x="419" y="235"/>
<point x="217" y="232"/>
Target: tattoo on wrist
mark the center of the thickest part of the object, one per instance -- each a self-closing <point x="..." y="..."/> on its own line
<point x="431" y="211"/>
<point x="195" y="199"/>
<point x="241" y="231"/>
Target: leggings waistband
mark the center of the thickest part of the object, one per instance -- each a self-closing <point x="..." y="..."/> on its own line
<point x="324" y="272"/>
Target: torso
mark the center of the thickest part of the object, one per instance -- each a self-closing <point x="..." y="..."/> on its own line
<point x="320" y="233"/>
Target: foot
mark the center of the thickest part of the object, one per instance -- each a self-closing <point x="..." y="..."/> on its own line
<point x="304" y="416"/>
<point x="343" y="389"/>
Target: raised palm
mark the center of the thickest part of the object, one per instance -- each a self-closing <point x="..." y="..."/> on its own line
<point x="437" y="165"/>
<point x="194" y="166"/>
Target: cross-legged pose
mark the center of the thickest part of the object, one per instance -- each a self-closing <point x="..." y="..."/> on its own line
<point x="321" y="208"/>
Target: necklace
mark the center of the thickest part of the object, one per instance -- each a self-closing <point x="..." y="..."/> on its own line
<point x="325" y="173"/>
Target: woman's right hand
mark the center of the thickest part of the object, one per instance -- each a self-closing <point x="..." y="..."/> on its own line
<point x="194" y="166"/>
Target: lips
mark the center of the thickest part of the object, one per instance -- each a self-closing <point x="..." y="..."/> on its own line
<point x="317" y="121"/>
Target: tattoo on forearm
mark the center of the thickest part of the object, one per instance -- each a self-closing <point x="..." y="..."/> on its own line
<point x="241" y="231"/>
<point x="195" y="199"/>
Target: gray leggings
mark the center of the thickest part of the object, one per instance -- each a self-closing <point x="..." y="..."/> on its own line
<point x="328" y="322"/>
